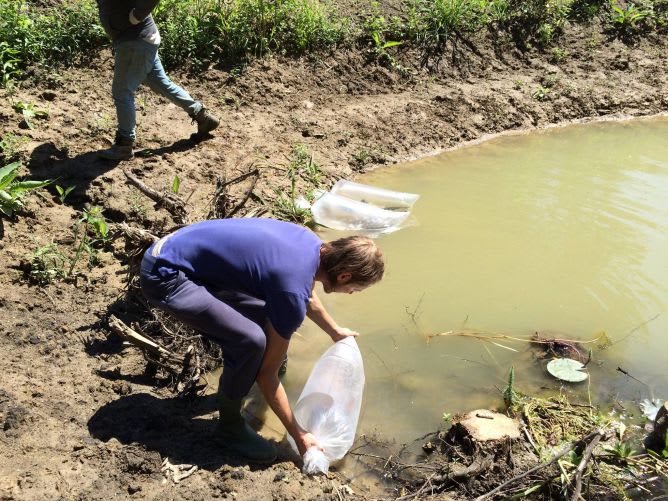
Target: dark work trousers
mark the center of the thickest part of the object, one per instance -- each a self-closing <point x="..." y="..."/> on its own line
<point x="232" y="319"/>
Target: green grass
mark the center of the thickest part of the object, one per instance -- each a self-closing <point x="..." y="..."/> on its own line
<point x="198" y="33"/>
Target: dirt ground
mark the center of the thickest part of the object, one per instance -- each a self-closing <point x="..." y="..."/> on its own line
<point x="79" y="418"/>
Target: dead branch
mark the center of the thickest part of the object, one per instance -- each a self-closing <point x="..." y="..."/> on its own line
<point x="554" y="459"/>
<point x="173" y="203"/>
<point x="144" y="343"/>
<point x="220" y="199"/>
<point x="246" y="196"/>
<point x="586" y="456"/>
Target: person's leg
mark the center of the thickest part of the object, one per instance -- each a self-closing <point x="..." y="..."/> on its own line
<point x="159" y="82"/>
<point x="243" y="342"/>
<point x="132" y="63"/>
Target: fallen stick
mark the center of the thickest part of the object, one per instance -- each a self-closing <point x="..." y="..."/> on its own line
<point x="142" y="342"/>
<point x="554" y="459"/>
<point x="586" y="456"/>
<point x="173" y="203"/>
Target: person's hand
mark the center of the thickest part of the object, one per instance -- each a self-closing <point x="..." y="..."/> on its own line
<point x="342" y="333"/>
<point x="305" y="441"/>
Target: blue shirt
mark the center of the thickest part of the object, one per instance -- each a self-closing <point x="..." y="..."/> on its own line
<point x="272" y="260"/>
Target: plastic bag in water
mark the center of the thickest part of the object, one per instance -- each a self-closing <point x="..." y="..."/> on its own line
<point x="355" y="206"/>
<point x="380" y="197"/>
<point x="329" y="405"/>
<point x="342" y="213"/>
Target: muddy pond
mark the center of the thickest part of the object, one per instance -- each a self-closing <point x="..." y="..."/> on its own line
<point x="562" y="231"/>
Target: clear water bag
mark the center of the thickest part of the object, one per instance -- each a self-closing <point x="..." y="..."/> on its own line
<point x="329" y="405"/>
<point x="342" y="213"/>
<point x="379" y="197"/>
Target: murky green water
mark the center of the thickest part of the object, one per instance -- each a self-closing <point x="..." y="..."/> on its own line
<point x="563" y="230"/>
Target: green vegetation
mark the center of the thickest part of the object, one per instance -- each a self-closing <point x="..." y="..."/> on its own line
<point x="92" y="221"/>
<point x="510" y="396"/>
<point x="12" y="191"/>
<point x="176" y="185"/>
<point x="200" y="32"/>
<point x="48" y="263"/>
<point x="30" y="112"/>
<point x="305" y="178"/>
<point x="63" y="34"/>
<point x="10" y="146"/>
<point x="63" y="192"/>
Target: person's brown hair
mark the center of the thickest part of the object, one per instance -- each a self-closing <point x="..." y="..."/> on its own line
<point x="356" y="255"/>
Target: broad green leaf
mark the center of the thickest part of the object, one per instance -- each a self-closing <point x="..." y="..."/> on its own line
<point x="567" y="369"/>
<point x="176" y="184"/>
<point x="387" y="45"/>
<point x="101" y="226"/>
<point x="23" y="186"/>
<point x="8" y="173"/>
<point x="5" y="197"/>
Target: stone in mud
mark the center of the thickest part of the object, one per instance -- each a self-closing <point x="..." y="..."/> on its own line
<point x="14" y="417"/>
<point x="482" y="425"/>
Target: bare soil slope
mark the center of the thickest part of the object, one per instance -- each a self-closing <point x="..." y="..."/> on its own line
<point x="79" y="418"/>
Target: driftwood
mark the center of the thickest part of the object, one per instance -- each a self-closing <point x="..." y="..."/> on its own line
<point x="555" y="458"/>
<point x="170" y="201"/>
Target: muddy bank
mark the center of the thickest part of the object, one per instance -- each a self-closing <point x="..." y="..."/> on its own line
<point x="80" y="415"/>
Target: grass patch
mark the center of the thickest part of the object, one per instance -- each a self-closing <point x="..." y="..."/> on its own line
<point x="201" y="32"/>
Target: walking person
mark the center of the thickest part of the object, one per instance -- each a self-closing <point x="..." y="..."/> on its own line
<point x="136" y="40"/>
<point x="247" y="284"/>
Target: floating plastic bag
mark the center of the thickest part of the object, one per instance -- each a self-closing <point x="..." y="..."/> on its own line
<point x="341" y="213"/>
<point x="360" y="207"/>
<point x="329" y="405"/>
<point x="380" y="197"/>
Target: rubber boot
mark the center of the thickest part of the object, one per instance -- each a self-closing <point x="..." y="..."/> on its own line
<point x="121" y="150"/>
<point x="206" y="122"/>
<point x="235" y="434"/>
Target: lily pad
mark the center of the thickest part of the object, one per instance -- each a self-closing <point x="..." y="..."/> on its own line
<point x="567" y="369"/>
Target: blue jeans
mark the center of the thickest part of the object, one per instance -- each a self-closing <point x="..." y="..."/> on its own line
<point x="137" y="62"/>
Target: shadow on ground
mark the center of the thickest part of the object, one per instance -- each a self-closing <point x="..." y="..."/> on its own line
<point x="47" y="161"/>
<point x="173" y="427"/>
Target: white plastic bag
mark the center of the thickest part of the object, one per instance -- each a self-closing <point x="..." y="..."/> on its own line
<point x="342" y="213"/>
<point x="385" y="199"/>
<point x="329" y="405"/>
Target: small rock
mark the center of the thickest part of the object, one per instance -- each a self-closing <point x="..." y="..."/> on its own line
<point x="237" y="474"/>
<point x="132" y="489"/>
<point x="307" y="104"/>
<point x="482" y="425"/>
<point x="14" y="417"/>
<point x="48" y="95"/>
<point x="428" y="447"/>
<point x="121" y="388"/>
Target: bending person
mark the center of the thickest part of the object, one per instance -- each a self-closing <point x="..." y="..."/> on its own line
<point x="247" y="284"/>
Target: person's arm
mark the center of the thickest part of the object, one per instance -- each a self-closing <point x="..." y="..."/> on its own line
<point x="316" y="311"/>
<point x="274" y="394"/>
<point x="142" y="10"/>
